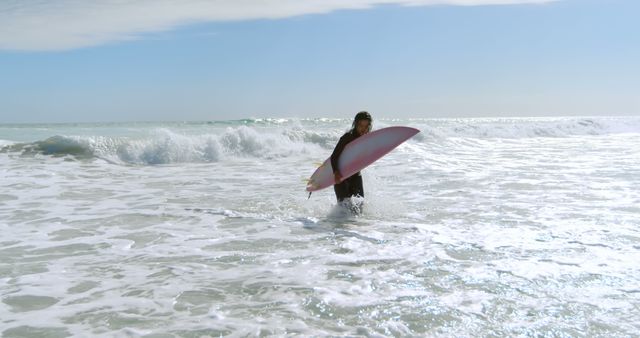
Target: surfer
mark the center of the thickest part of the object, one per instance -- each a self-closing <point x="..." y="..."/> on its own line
<point x="351" y="186"/>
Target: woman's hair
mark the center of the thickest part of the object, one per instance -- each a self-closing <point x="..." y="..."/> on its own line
<point x="363" y="115"/>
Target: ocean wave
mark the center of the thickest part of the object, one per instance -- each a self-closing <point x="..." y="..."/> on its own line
<point x="4" y="143"/>
<point x="524" y="127"/>
<point x="278" y="138"/>
<point x="165" y="146"/>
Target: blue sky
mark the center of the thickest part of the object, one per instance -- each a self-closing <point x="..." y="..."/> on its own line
<point x="67" y="63"/>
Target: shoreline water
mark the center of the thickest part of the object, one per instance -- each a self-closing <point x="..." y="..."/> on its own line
<point x="474" y="228"/>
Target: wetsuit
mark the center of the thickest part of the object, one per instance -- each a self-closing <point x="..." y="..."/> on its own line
<point x="351" y="186"/>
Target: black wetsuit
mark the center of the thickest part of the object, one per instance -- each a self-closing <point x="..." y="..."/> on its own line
<point x="351" y="186"/>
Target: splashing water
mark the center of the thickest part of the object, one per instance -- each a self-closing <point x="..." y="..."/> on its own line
<point x="475" y="227"/>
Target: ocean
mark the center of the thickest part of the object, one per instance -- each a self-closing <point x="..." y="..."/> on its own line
<point x="474" y="227"/>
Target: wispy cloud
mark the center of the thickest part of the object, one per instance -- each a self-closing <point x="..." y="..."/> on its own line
<point x="40" y="25"/>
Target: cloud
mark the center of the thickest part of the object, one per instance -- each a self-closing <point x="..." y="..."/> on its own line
<point x="39" y="25"/>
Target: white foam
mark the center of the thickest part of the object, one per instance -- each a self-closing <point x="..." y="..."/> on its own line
<point x="459" y="236"/>
<point x="5" y="143"/>
<point x="525" y="127"/>
<point x="164" y="146"/>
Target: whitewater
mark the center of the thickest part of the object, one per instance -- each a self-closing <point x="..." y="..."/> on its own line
<point x="474" y="227"/>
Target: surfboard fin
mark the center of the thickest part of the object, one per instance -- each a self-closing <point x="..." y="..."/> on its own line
<point x="309" y="194"/>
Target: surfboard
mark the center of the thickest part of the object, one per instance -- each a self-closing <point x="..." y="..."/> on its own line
<point x="359" y="154"/>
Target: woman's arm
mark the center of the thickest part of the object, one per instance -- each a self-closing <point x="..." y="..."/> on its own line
<point x="336" y="153"/>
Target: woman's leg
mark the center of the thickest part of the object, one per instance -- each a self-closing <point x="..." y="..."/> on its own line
<point x="342" y="190"/>
<point x="355" y="186"/>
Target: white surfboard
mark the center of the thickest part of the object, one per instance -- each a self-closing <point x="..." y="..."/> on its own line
<point x="359" y="154"/>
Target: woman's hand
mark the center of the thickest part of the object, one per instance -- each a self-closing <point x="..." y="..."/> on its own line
<point x="337" y="177"/>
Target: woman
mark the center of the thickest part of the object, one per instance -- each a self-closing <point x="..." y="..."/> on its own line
<point x="351" y="186"/>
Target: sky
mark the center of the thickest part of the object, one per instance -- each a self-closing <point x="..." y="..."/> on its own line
<point x="166" y="60"/>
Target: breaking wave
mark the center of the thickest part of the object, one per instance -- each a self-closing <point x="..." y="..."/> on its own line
<point x="165" y="146"/>
<point x="278" y="138"/>
<point x="527" y="127"/>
